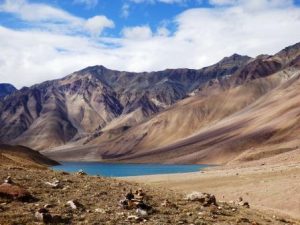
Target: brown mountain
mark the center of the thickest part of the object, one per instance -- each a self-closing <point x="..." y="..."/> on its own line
<point x="56" y="112"/>
<point x="250" y="114"/>
<point x="235" y="110"/>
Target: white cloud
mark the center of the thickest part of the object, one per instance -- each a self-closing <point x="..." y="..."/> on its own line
<point x="163" y="31"/>
<point x="202" y="37"/>
<point x="36" y="12"/>
<point x="87" y="3"/>
<point x="97" y="24"/>
<point x="137" y="33"/>
<point x="44" y="16"/>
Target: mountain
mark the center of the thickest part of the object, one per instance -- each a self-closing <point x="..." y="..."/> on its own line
<point x="233" y="111"/>
<point x="6" y="89"/>
<point x="248" y="115"/>
<point x="22" y="156"/>
<point x="60" y="111"/>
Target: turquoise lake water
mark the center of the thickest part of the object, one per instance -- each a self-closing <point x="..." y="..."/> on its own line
<point x="122" y="170"/>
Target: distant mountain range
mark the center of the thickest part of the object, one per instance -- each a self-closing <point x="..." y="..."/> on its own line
<point x="231" y="111"/>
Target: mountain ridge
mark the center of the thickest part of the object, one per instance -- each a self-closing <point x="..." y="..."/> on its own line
<point x="75" y="102"/>
<point x="99" y="113"/>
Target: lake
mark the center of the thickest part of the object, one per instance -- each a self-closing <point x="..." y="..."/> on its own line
<point x="122" y="170"/>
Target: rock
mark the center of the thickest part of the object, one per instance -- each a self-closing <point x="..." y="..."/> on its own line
<point x="140" y="195"/>
<point x="145" y="207"/>
<point x="81" y="173"/>
<point x="47" y="206"/>
<point x="165" y="203"/>
<point x="189" y="213"/>
<point x="204" y="198"/>
<point x="142" y="213"/>
<point x="74" y="204"/>
<point x="43" y="215"/>
<point x="15" y="192"/>
<point x="8" y="180"/>
<point x="245" y="204"/>
<point x="122" y="214"/>
<point x="100" y="211"/>
<point x="242" y="203"/>
<point x="123" y="203"/>
<point x="133" y="217"/>
<point x="54" y="184"/>
<point x="243" y="220"/>
<point x="129" y="196"/>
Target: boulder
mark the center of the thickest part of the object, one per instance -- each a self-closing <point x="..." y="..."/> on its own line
<point x="14" y="192"/>
<point x="204" y="198"/>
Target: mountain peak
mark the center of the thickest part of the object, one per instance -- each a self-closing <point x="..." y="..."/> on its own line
<point x="234" y="58"/>
<point x="92" y="68"/>
<point x="6" y="89"/>
<point x="290" y="51"/>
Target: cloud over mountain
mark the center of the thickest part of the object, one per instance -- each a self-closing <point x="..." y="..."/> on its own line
<point x="55" y="41"/>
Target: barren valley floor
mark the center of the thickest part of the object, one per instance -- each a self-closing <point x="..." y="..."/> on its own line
<point x="274" y="188"/>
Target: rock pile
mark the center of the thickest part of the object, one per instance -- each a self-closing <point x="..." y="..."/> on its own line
<point x="136" y="201"/>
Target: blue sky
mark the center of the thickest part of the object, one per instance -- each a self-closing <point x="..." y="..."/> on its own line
<point x="123" y="12"/>
<point x="47" y="39"/>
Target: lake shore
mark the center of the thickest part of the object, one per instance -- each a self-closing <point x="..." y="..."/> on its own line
<point x="272" y="188"/>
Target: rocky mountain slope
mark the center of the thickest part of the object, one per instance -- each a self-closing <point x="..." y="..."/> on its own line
<point x="250" y="114"/>
<point x="6" y="89"/>
<point x="56" y="112"/>
<point x="23" y="156"/>
<point x="236" y="110"/>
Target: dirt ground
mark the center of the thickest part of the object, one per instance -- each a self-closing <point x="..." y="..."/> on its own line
<point x="271" y="188"/>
